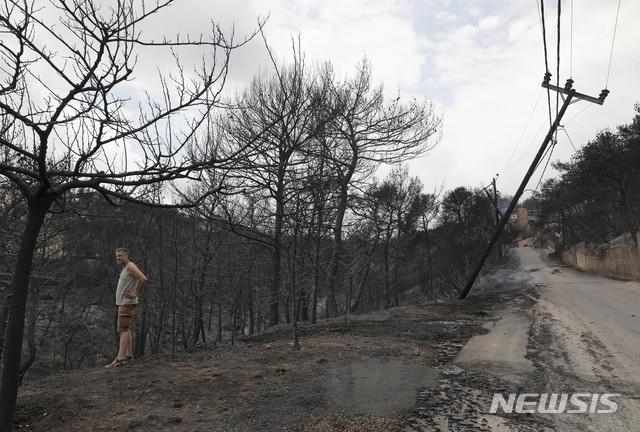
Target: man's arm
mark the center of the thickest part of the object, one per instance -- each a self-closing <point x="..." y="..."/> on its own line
<point x="142" y="280"/>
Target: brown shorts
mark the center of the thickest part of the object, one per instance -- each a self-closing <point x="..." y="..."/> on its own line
<point x="125" y="315"/>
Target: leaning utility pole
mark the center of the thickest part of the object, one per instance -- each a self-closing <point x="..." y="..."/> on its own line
<point x="571" y="93"/>
<point x="494" y="200"/>
<point x="495" y="203"/>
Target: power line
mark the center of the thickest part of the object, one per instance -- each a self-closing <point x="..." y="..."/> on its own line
<point x="546" y="55"/>
<point x="543" y="151"/>
<point x="526" y="151"/>
<point x="593" y="179"/>
<point x="578" y="114"/>
<point x="544" y="34"/>
<point x="516" y="197"/>
<point x="570" y="141"/>
<point x="615" y="29"/>
<point x="526" y="126"/>
<point x="558" y="58"/>
<point x="549" y="152"/>
<point x="571" y="44"/>
<point x="554" y="141"/>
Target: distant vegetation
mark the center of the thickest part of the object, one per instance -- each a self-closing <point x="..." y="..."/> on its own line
<point x="210" y="272"/>
<point x="244" y="212"/>
<point x="597" y="196"/>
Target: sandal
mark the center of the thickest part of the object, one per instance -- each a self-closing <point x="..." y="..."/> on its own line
<point x="116" y="362"/>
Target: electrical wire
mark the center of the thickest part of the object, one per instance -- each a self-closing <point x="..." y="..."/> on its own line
<point x="586" y="107"/>
<point x="527" y="151"/>
<point x="571" y="44"/>
<point x="544" y="34"/>
<point x="558" y="59"/>
<point x="526" y="126"/>
<point x="549" y="152"/>
<point x="615" y="29"/>
<point x="593" y="179"/>
<point x="546" y="55"/>
<point x="570" y="141"/>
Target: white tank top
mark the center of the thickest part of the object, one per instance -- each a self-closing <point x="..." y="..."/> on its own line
<point x="127" y="282"/>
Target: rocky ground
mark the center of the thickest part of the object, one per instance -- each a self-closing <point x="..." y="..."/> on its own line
<point x="386" y="371"/>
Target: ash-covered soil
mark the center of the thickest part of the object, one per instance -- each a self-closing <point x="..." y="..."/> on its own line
<point x="386" y="371"/>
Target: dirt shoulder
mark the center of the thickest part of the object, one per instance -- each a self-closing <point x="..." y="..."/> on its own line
<point x="372" y="372"/>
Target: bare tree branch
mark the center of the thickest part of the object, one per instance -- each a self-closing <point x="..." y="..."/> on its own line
<point x="67" y="120"/>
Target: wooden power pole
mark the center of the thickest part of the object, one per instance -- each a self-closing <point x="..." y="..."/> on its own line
<point x="571" y="93"/>
<point x="494" y="200"/>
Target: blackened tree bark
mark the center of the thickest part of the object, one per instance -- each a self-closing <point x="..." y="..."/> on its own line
<point x="424" y="209"/>
<point x="369" y="131"/>
<point x="284" y="105"/>
<point x="66" y="126"/>
<point x="15" y="326"/>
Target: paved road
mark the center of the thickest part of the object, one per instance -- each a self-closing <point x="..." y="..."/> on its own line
<point x="582" y="335"/>
<point x="587" y="334"/>
<point x="595" y="315"/>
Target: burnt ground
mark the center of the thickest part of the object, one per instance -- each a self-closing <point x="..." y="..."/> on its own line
<point x="386" y="371"/>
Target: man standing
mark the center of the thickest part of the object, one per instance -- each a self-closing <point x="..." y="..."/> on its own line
<point x="130" y="286"/>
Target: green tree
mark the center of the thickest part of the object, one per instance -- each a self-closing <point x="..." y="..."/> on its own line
<point x="466" y="222"/>
<point x="596" y="197"/>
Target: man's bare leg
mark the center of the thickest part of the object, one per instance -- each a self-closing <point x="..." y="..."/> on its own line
<point x="128" y="352"/>
<point x="125" y="342"/>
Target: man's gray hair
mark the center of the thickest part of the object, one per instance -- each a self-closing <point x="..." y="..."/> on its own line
<point x="123" y="250"/>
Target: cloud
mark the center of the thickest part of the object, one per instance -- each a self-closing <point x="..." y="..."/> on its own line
<point x="345" y="32"/>
<point x="489" y="66"/>
<point x="481" y="61"/>
<point x="446" y="17"/>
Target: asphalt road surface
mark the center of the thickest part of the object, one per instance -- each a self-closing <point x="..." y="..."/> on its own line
<point x="580" y="337"/>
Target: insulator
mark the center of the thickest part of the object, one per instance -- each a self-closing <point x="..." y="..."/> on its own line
<point x="603" y="94"/>
<point x="568" y="84"/>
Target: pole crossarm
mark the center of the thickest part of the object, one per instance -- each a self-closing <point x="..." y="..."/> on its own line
<point x="568" y="87"/>
<point x="516" y="197"/>
<point x="571" y="93"/>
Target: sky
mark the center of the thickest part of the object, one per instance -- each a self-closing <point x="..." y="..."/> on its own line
<point x="480" y="61"/>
